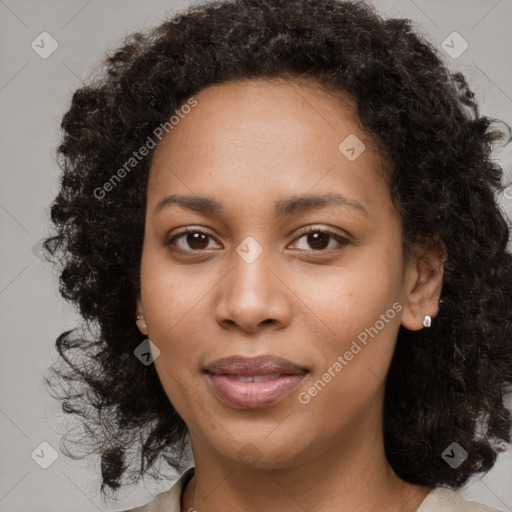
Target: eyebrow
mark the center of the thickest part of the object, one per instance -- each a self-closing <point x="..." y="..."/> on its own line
<point x="288" y="206"/>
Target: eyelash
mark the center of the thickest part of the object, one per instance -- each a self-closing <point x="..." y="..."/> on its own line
<point x="311" y="229"/>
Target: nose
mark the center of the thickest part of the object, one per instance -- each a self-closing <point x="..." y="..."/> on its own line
<point x="253" y="295"/>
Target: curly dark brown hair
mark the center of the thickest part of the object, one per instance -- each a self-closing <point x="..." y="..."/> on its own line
<point x="447" y="383"/>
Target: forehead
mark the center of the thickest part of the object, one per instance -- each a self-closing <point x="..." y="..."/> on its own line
<point x="258" y="138"/>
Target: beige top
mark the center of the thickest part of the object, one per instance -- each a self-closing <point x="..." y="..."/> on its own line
<point x="439" y="499"/>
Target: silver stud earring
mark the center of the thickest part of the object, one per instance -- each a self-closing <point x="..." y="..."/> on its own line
<point x="139" y="317"/>
<point x="427" y="321"/>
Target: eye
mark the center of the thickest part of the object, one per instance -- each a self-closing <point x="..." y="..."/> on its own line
<point x="195" y="239"/>
<point x="319" y="239"/>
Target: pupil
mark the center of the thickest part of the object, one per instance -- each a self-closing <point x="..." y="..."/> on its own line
<point x="315" y="239"/>
<point x="195" y="238"/>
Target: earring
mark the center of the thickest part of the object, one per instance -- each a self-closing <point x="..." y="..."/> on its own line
<point x="139" y="317"/>
<point x="427" y="321"/>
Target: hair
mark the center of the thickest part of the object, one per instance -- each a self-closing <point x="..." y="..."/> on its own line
<point x="447" y="383"/>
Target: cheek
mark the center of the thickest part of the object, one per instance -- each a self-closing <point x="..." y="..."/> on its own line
<point x="350" y="297"/>
<point x="354" y="361"/>
<point x="171" y="298"/>
<point x="357" y="318"/>
<point x="170" y="293"/>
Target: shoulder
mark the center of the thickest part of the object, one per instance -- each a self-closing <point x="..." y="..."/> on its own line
<point x="442" y="499"/>
<point x="439" y="499"/>
<point x="170" y="500"/>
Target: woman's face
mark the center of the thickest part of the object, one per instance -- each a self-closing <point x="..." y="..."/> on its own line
<point x="251" y="168"/>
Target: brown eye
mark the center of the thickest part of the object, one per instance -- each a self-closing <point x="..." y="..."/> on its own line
<point x="190" y="240"/>
<point x="320" y="240"/>
<point x="196" y="240"/>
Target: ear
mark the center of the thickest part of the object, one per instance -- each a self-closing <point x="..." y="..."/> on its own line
<point x="141" y="322"/>
<point x="423" y="282"/>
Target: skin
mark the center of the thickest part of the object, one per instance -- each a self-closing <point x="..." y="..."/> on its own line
<point x="248" y="144"/>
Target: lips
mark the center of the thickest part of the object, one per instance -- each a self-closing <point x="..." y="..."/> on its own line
<point x="250" y="366"/>
<point x="250" y="383"/>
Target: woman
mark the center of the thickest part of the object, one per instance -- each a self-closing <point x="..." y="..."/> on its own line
<point x="281" y="218"/>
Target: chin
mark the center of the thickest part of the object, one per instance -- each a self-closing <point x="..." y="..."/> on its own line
<point x="260" y="450"/>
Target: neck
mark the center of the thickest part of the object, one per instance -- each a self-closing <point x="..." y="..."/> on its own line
<point x="352" y="475"/>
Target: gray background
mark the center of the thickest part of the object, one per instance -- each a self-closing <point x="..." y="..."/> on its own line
<point x="34" y="94"/>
